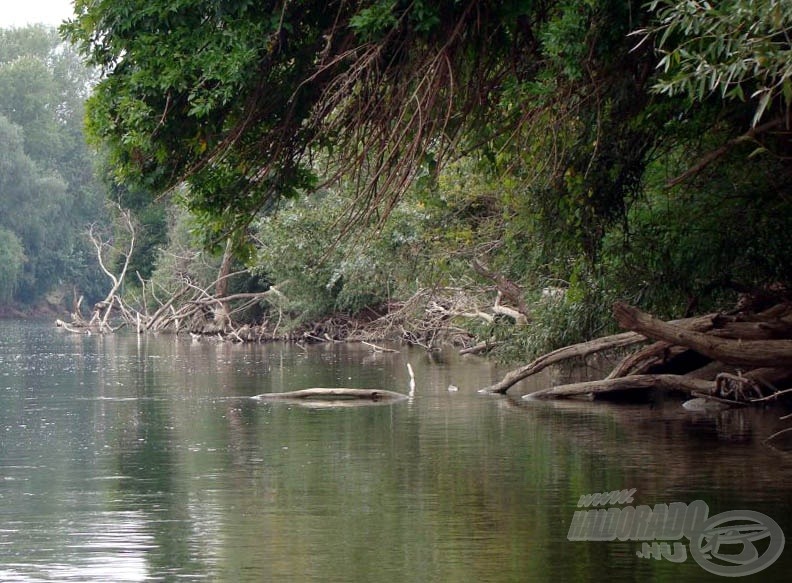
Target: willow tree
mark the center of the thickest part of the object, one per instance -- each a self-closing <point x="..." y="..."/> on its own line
<point x="251" y="101"/>
<point x="733" y="52"/>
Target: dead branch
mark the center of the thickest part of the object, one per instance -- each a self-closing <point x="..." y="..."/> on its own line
<point x="377" y="348"/>
<point x="560" y="355"/>
<point x="506" y="288"/>
<point x="479" y="348"/>
<point x="103" y="309"/>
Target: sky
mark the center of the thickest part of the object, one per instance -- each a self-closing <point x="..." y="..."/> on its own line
<point x="16" y="13"/>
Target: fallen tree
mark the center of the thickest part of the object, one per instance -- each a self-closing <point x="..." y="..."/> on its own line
<point x="201" y="310"/>
<point x="734" y="359"/>
<point x="100" y="317"/>
<point x="590" y="389"/>
<point x="583" y="350"/>
<point x="195" y="296"/>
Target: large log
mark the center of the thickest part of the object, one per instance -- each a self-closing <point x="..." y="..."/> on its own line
<point x="334" y="394"/>
<point x="594" y="389"/>
<point x="659" y="354"/>
<point x="586" y="349"/>
<point x="692" y="385"/>
<point x="773" y="330"/>
<point x="750" y="353"/>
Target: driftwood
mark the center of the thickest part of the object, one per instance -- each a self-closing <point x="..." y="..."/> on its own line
<point x="730" y="359"/>
<point x="189" y="306"/>
<point x="582" y="350"/>
<point x="562" y="354"/>
<point x="480" y="348"/>
<point x="590" y="389"/>
<point x="100" y="318"/>
<point x="334" y="394"/>
<point x="687" y="384"/>
<point x="377" y="348"/>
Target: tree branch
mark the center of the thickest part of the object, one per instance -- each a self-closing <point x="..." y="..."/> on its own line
<point x="712" y="156"/>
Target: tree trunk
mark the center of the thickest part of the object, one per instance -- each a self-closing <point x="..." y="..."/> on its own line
<point x="585" y="349"/>
<point x="750" y="353"/>
<point x="221" y="287"/>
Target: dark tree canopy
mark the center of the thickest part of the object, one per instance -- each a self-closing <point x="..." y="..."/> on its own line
<point x="616" y="147"/>
<point x="251" y="101"/>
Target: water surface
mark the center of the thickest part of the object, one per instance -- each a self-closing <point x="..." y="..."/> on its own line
<point x="126" y="458"/>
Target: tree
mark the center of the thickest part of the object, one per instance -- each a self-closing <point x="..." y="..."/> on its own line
<point x="47" y="190"/>
<point x="740" y="49"/>
<point x="12" y="258"/>
<point x="254" y="101"/>
<point x="238" y="105"/>
<point x="33" y="204"/>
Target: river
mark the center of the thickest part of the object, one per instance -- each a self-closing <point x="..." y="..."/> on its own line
<point x="126" y="458"/>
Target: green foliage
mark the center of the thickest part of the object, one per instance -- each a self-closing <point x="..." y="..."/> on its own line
<point x="12" y="259"/>
<point x="739" y="49"/>
<point x="558" y="322"/>
<point x="696" y="245"/>
<point x="374" y="21"/>
<point x="169" y="103"/>
<point x="182" y="257"/>
<point x="528" y="129"/>
<point x="32" y="41"/>
<point x="47" y="192"/>
<point x="181" y="261"/>
<point x="243" y="100"/>
<point x="28" y="89"/>
<point x="299" y="251"/>
<point x="32" y="202"/>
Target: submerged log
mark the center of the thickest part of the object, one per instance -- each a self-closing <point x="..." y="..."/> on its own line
<point x="594" y="389"/>
<point x="701" y="403"/>
<point x="334" y="394"/>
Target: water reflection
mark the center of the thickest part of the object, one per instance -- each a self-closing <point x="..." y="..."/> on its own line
<point x="142" y="459"/>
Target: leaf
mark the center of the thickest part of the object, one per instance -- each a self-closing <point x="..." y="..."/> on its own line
<point x="757" y="152"/>
<point x="764" y="100"/>
<point x="786" y="90"/>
